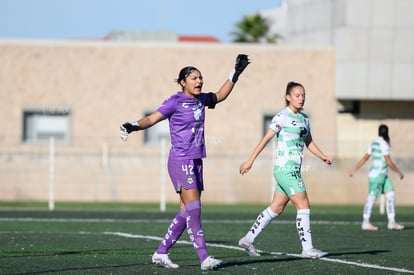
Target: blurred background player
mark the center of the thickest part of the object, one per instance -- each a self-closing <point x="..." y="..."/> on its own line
<point x="185" y="111"/>
<point x="379" y="182"/>
<point x="292" y="128"/>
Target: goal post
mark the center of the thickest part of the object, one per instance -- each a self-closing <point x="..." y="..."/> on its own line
<point x="51" y="173"/>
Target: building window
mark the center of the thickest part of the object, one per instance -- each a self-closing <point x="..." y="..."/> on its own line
<point x="158" y="132"/>
<point x="267" y="119"/>
<point x="40" y="125"/>
<point x="350" y="106"/>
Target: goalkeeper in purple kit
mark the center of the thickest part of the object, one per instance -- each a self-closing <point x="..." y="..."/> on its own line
<point x="185" y="111"/>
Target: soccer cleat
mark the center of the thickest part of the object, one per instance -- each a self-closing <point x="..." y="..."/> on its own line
<point x="368" y="226"/>
<point x="313" y="253"/>
<point x="249" y="247"/>
<point x="163" y="260"/>
<point x="210" y="263"/>
<point x="395" y="226"/>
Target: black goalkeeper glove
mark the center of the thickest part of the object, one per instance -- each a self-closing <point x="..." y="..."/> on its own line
<point x="242" y="61"/>
<point x="127" y="128"/>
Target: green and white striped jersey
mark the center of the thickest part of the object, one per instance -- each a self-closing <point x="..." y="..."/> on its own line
<point x="292" y="131"/>
<point x="378" y="149"/>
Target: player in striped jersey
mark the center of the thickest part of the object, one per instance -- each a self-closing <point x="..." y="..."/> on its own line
<point x="292" y="128"/>
<point x="379" y="182"/>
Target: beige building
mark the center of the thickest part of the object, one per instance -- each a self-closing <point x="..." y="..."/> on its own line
<point x="80" y="92"/>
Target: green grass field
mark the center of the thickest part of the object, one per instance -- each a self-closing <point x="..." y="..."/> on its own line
<point x="108" y="238"/>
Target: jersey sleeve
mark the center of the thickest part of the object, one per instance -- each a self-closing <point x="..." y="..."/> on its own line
<point x="168" y="107"/>
<point x="209" y="100"/>
<point x="369" y="150"/>
<point x="276" y="124"/>
<point x="213" y="103"/>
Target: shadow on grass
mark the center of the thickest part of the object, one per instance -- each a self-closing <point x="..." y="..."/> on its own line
<point x="256" y="260"/>
<point x="79" y="270"/>
<point x="291" y="258"/>
<point x="368" y="252"/>
<point x="109" y="251"/>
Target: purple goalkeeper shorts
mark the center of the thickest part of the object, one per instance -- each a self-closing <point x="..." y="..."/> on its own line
<point x="187" y="174"/>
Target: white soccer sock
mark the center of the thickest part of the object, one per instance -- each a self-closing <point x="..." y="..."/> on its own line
<point x="368" y="207"/>
<point x="264" y="218"/>
<point x="390" y="197"/>
<point x="303" y="228"/>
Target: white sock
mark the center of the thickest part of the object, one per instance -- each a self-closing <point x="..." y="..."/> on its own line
<point x="264" y="218"/>
<point x="368" y="208"/>
<point x="303" y="228"/>
<point x="390" y="197"/>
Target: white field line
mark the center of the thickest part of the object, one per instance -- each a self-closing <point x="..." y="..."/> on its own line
<point x="155" y="238"/>
<point x="402" y="270"/>
<point x="395" y="269"/>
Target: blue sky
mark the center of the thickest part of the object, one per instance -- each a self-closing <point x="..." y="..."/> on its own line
<point x="72" y="19"/>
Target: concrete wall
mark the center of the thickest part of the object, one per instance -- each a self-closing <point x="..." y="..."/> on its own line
<point x="372" y="38"/>
<point x="103" y="84"/>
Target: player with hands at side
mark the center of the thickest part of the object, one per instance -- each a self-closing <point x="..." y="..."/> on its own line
<point x="292" y="128"/>
<point x="378" y="179"/>
<point x="185" y="111"/>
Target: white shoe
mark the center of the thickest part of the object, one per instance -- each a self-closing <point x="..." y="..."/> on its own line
<point x="249" y="247"/>
<point x="163" y="260"/>
<point x="313" y="253"/>
<point x="368" y="226"/>
<point x="395" y="226"/>
<point x="210" y="263"/>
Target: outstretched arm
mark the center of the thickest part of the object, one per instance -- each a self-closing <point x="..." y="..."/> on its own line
<point x="141" y="124"/>
<point x="359" y="164"/>
<point x="242" y="61"/>
<point x="245" y="166"/>
<point x="393" y="166"/>
<point x="150" y="120"/>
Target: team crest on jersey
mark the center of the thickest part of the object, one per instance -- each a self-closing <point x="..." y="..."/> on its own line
<point x="190" y="180"/>
<point x="278" y="127"/>
<point x="197" y="113"/>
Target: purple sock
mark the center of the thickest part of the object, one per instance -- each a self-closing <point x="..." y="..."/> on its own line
<point x="194" y="229"/>
<point x="174" y="232"/>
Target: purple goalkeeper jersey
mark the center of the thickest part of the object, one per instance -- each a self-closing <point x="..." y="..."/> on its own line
<point x="186" y="120"/>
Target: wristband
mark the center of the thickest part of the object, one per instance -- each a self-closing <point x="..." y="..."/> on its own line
<point x="135" y="126"/>
<point x="231" y="75"/>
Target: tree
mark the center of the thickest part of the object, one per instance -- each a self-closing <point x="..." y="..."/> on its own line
<point x="254" y="29"/>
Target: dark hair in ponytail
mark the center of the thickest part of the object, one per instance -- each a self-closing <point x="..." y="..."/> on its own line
<point x="383" y="132"/>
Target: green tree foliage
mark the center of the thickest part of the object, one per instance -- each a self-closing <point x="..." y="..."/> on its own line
<point x="254" y="29"/>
